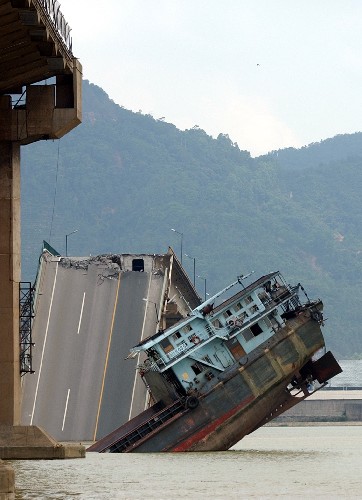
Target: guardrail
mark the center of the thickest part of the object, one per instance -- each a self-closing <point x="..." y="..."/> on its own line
<point x="52" y="8"/>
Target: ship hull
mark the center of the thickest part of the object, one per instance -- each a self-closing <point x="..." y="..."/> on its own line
<point x="247" y="395"/>
<point x="245" y="398"/>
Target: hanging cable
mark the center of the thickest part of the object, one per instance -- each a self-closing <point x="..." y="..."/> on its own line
<point x="55" y="194"/>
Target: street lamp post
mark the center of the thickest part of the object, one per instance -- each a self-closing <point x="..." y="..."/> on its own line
<point x="182" y="236"/>
<point x="194" y="259"/>
<point x="202" y="278"/>
<point x="66" y="241"/>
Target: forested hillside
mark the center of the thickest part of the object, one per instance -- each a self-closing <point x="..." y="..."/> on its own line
<point x="124" y="179"/>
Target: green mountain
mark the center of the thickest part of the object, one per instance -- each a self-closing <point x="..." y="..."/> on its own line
<point x="124" y="179"/>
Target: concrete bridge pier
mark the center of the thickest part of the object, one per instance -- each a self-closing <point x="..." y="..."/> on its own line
<point x="7" y="482"/>
<point x="16" y="441"/>
<point x="10" y="278"/>
<point x="35" y="45"/>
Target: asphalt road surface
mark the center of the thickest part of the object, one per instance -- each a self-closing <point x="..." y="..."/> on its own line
<point x="86" y="322"/>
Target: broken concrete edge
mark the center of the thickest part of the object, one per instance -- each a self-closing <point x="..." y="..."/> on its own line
<point x="7" y="481"/>
<point x="30" y="442"/>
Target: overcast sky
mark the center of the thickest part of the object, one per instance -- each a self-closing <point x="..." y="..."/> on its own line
<point x="270" y="73"/>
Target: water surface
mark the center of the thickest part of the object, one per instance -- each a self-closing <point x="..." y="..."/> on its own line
<point x="284" y="462"/>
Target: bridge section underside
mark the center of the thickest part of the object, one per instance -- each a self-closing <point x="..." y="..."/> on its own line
<point x="31" y="47"/>
<point x="35" y="46"/>
<point x="86" y="321"/>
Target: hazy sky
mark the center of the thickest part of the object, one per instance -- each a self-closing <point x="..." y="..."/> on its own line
<point x="270" y="73"/>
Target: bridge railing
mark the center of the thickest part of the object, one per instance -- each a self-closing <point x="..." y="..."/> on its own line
<point x="52" y="8"/>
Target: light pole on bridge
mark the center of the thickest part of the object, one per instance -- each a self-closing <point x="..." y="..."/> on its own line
<point x="182" y="237"/>
<point x="66" y="241"/>
<point x="202" y="278"/>
<point x="194" y="259"/>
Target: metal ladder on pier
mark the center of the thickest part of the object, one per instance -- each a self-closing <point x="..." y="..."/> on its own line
<point x="122" y="444"/>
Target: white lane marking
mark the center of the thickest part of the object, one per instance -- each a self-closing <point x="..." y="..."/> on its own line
<point x="81" y="314"/>
<point x="138" y="357"/>
<point x="107" y="356"/>
<point x="65" y="409"/>
<point x="45" y="340"/>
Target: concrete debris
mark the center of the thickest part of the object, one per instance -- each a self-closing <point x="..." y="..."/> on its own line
<point x="111" y="262"/>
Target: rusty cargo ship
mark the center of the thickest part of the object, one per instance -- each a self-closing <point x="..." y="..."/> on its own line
<point x="227" y="369"/>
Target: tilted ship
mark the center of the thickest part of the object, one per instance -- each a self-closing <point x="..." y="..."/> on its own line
<point x="225" y="370"/>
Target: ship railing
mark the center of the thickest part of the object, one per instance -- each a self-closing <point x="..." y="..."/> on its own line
<point x="279" y="298"/>
<point x="251" y="319"/>
<point x="235" y="329"/>
<point x="154" y="365"/>
<point x="227" y="331"/>
<point x="200" y="338"/>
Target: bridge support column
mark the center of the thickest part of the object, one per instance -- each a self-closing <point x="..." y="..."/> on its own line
<point x="7" y="482"/>
<point x="16" y="441"/>
<point x="9" y="298"/>
<point x="9" y="282"/>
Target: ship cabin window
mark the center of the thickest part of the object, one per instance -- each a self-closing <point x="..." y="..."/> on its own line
<point x="252" y="331"/>
<point x="256" y="330"/>
<point x="166" y="345"/>
<point x="254" y="309"/>
<point x="176" y="336"/>
<point x="197" y="368"/>
<point x="217" y="323"/>
<point x="207" y="359"/>
<point x="138" y="265"/>
<point x="227" y="313"/>
<point x="187" y="329"/>
<point x="238" y="306"/>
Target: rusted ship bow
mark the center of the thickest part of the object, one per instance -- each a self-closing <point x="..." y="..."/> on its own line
<point x="227" y="369"/>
